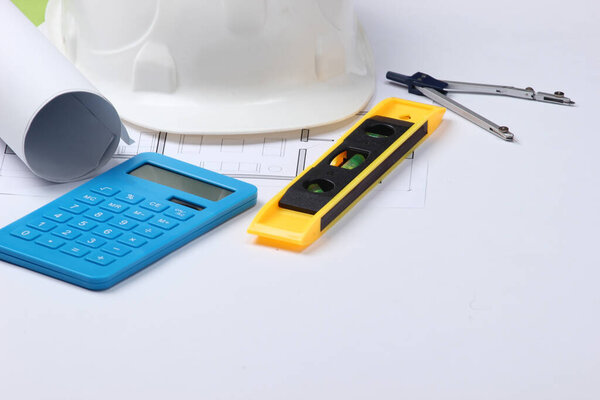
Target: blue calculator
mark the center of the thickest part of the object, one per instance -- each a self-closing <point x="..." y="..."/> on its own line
<point x="123" y="220"/>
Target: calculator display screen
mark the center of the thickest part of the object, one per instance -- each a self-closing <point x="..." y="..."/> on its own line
<point x="184" y="183"/>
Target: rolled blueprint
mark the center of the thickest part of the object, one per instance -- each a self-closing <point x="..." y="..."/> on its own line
<point x="50" y="115"/>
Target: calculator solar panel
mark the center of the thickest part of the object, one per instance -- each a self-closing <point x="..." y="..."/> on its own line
<point x="123" y="220"/>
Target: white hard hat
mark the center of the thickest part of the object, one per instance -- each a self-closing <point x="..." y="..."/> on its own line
<point x="219" y="66"/>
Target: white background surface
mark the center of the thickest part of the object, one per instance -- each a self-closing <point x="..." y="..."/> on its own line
<point x="489" y="292"/>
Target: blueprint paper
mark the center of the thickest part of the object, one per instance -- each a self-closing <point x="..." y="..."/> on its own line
<point x="52" y="118"/>
<point x="268" y="161"/>
<point x="17" y="179"/>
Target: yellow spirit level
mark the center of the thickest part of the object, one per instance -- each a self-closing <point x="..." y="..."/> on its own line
<point x="326" y="190"/>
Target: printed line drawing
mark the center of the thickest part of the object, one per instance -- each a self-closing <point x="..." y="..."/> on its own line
<point x="267" y="161"/>
<point x="144" y="142"/>
<point x="280" y="157"/>
<point x="301" y="165"/>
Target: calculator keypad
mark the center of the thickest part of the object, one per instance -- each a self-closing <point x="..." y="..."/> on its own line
<point x="114" y="207"/>
<point x="103" y="225"/>
<point x="83" y="224"/>
<point x="163" y="223"/>
<point x="66" y="233"/>
<point x="74" y="208"/>
<point x="119" y="251"/>
<point x="58" y="216"/>
<point x="108" y="233"/>
<point x="130" y="198"/>
<point x="100" y="258"/>
<point x="50" y="242"/>
<point x="25" y="234"/>
<point x="41" y="225"/>
<point x="180" y="213"/>
<point x="132" y="240"/>
<point x="123" y="223"/>
<point x="90" y="198"/>
<point x="139" y="214"/>
<point x="99" y="215"/>
<point x="75" y="251"/>
<point x="91" y="241"/>
<point x="148" y="231"/>
<point x="107" y="191"/>
<point x="156" y="206"/>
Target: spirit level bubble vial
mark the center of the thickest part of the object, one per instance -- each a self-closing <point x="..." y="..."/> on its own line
<point x="325" y="191"/>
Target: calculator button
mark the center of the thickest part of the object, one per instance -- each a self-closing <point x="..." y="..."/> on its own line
<point x="139" y="214"/>
<point x="42" y="225"/>
<point x="148" y="231"/>
<point x="118" y="251"/>
<point x="74" y="208"/>
<point x="124" y="223"/>
<point x="58" y="216"/>
<point x="107" y="191"/>
<point x="75" y="251"/>
<point x="91" y="241"/>
<point x="83" y="224"/>
<point x="98" y="215"/>
<point x="25" y="234"/>
<point x="163" y="223"/>
<point x="69" y="234"/>
<point x="115" y="207"/>
<point x="179" y="213"/>
<point x="154" y="206"/>
<point x="100" y="259"/>
<point x="132" y="240"/>
<point x="50" y="242"/>
<point x="108" y="233"/>
<point x="91" y="199"/>
<point x="130" y="198"/>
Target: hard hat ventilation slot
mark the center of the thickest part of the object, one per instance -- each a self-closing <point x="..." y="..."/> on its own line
<point x="155" y="69"/>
